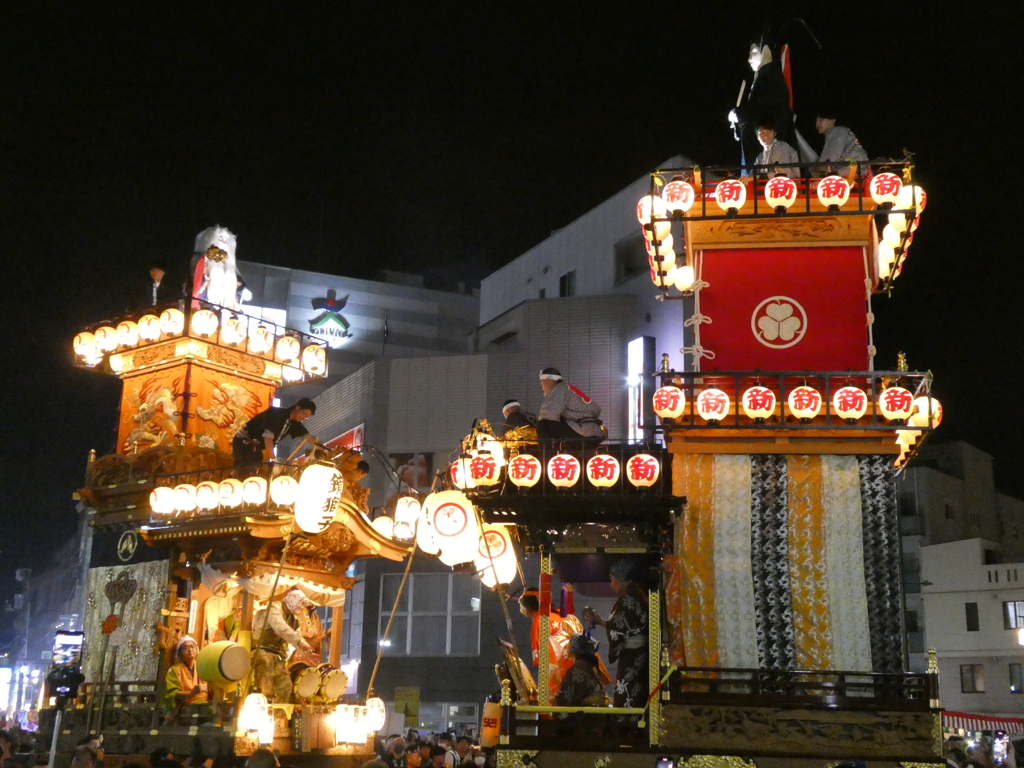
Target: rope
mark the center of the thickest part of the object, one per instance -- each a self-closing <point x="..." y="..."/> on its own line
<point x="698" y="352"/>
<point x="696" y="319"/>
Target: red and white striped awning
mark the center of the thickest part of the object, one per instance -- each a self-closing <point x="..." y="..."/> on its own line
<point x="969" y="722"/>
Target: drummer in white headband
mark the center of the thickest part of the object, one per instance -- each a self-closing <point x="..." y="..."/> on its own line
<point x="566" y="412"/>
<point x="280" y="626"/>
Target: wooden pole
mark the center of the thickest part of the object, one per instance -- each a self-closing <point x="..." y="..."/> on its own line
<point x="337" y="627"/>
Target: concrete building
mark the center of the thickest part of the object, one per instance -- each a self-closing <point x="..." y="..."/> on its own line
<point x="973" y="609"/>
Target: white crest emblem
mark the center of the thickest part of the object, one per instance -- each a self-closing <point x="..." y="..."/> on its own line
<point x="779" y="322"/>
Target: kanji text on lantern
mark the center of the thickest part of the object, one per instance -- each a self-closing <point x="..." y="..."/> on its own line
<point x="563" y="468"/>
<point x="483" y="467"/>
<point x="666" y="399"/>
<point x="780" y="188"/>
<point x="642" y="468"/>
<point x="729" y="190"/>
<point x="602" y="468"/>
<point x="523" y="468"/>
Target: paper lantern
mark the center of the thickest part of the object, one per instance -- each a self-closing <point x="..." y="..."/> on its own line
<point x="385" y="526"/>
<point x="149" y="327"/>
<point x="116" y="362"/>
<point x="233" y="331"/>
<point x="404" y="531"/>
<point x="668" y="259"/>
<point x="713" y="405"/>
<point x="648" y="206"/>
<point x="425" y="534"/>
<point x="204" y="323"/>
<point x="668" y="244"/>
<point x="804" y="402"/>
<point x="484" y="469"/>
<point x="780" y="192"/>
<point x="643" y="470"/>
<point x="833" y="192"/>
<point x="758" y="403"/>
<point x="524" y="470"/>
<point x="376" y="714"/>
<point x="490" y="444"/>
<point x="84" y="344"/>
<point x="185" y="497"/>
<point x="603" y="470"/>
<point x="460" y="473"/>
<point x="885" y="188"/>
<point x="730" y="194"/>
<point x="912" y="197"/>
<point x="256" y="716"/>
<point x="407" y="510"/>
<point x="290" y="374"/>
<point x="127" y="333"/>
<point x="161" y="500"/>
<point x="896" y="404"/>
<point x="106" y="338"/>
<point x="208" y="495"/>
<point x="496" y="557"/>
<point x="850" y="403"/>
<point x="254" y="490"/>
<point x="682" y="277"/>
<point x="453" y="520"/>
<point x="669" y="402"/>
<point x="563" y="470"/>
<point x="261" y="339"/>
<point x="926" y="408"/>
<point x="320" y="488"/>
<point x="172" y="322"/>
<point x="314" y="360"/>
<point x="284" y="490"/>
<point x="287" y="349"/>
<point x="678" y="196"/>
<point x="892" y="236"/>
<point x="350" y="724"/>
<point x="230" y="492"/>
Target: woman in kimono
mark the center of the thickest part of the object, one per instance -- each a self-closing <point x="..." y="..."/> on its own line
<point x="627" y="629"/>
<point x="582" y="685"/>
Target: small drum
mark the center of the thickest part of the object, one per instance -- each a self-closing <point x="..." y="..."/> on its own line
<point x="222" y="664"/>
<point x="305" y="682"/>
<point x="333" y="682"/>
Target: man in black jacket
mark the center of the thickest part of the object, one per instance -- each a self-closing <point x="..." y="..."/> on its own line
<point x="256" y="440"/>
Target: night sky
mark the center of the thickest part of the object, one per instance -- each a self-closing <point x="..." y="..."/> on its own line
<point x="447" y="140"/>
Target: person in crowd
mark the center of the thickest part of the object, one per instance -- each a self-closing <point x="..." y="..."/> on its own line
<point x="157" y="289"/>
<point x="85" y="756"/>
<point x="424" y="749"/>
<point x="413" y="758"/>
<point x="464" y="749"/>
<point x="451" y="757"/>
<point x="255" y="441"/>
<point x="567" y="413"/>
<point x="627" y="628"/>
<point x="394" y="753"/>
<point x="6" y="749"/>
<point x="437" y="756"/>
<point x="158" y="754"/>
<point x="582" y="685"/>
<point x="775" y="151"/>
<point x="515" y="417"/>
<point x="280" y="625"/>
<point x="182" y="686"/>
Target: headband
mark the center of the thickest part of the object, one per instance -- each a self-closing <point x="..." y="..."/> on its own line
<point x="550" y="376"/>
<point x="510" y="404"/>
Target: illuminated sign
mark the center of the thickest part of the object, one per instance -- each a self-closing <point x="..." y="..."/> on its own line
<point x="330" y="325"/>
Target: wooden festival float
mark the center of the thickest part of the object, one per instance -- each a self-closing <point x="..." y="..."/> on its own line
<point x="765" y="504"/>
<point x="186" y="543"/>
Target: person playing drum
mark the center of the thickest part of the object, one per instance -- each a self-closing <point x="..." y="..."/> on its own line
<point x="283" y="623"/>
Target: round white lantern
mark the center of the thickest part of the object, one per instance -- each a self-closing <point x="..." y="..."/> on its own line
<point x="484" y="469"/>
<point x="407" y="510"/>
<point x="127" y="333"/>
<point x="524" y="470"/>
<point x="376" y="714"/>
<point x="233" y="332"/>
<point x="682" y="277"/>
<point x="896" y="404"/>
<point x="563" y="470"/>
<point x="603" y="470"/>
<point x="284" y="490"/>
<point x="290" y="374"/>
<point x="713" y="405"/>
<point x="161" y="500"/>
<point x="172" y="322"/>
<point x="490" y="444"/>
<point x="204" y="323"/>
<point x="254" y="490"/>
<point x="106" y="338"/>
<point x="425" y="534"/>
<point x="833" y="192"/>
<point x="926" y="408"/>
<point x="320" y="489"/>
<point x="667" y="244"/>
<point x="149" y="327"/>
<point x="850" y="403"/>
<point x="385" y="526"/>
<point x="650" y="206"/>
<point x="460" y="472"/>
<point x="454" y="524"/>
<point x="804" y="402"/>
<point x="314" y="360"/>
<point x="780" y="192"/>
<point x="230" y="491"/>
<point x="495" y="558"/>
<point x="85" y="344"/>
<point x="912" y="197"/>
<point x="287" y="349"/>
<point x="678" y="196"/>
<point x="261" y="339"/>
<point x="643" y="470"/>
<point x="730" y="194"/>
<point x="669" y="402"/>
<point x="668" y="259"/>
<point x="885" y="188"/>
<point x="758" y="403"/>
<point x="185" y="497"/>
<point x="892" y="236"/>
<point x="208" y="495"/>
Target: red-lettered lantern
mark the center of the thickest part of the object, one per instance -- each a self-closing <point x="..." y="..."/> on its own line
<point x="425" y="534"/>
<point x="643" y="470"/>
<point x="204" y="323"/>
<point x="850" y="403"/>
<point x="460" y="473"/>
<point x="207" y="495"/>
<point x="314" y="359"/>
<point x="730" y="194"/>
<point x="161" y="500"/>
<point x="780" y="192"/>
<point x="85" y="344"/>
<point x="484" y="469"/>
<point x="254" y="490"/>
<point x="650" y="207"/>
<point x="563" y="470"/>
<point x="287" y="349"/>
<point x="885" y="188"/>
<point x="603" y="470"/>
<point x="233" y="331"/>
<point x="284" y="490"/>
<point x="833" y="192"/>
<point x="524" y="470"/>
<point x="185" y="497"/>
<point x="896" y="404"/>
<point x="106" y="338"/>
<point x="127" y="333"/>
<point x="495" y="557"/>
<point x="758" y="403"/>
<point x="926" y="408"/>
<point x="678" y="196"/>
<point x="320" y="489"/>
<point x="804" y="402"/>
<point x="667" y="256"/>
<point x="669" y="402"/>
<point x="230" y="492"/>
<point x="713" y="405"/>
<point x="261" y="340"/>
<point x="454" y="524"/>
<point x="149" y="327"/>
<point x="172" y="322"/>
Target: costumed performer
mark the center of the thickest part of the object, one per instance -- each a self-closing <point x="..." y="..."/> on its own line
<point x="582" y="685"/>
<point x="567" y="413"/>
<point x="182" y="686"/>
<point x="280" y="628"/>
<point x="767" y="99"/>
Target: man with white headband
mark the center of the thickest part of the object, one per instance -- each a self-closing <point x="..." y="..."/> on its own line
<point x="566" y="412"/>
<point x="516" y="417"/>
<point x="281" y="628"/>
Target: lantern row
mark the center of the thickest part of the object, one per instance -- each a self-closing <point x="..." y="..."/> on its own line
<point x="353" y="723"/>
<point x="90" y="346"/>
<point x="895" y="404"/>
<point x="898" y="234"/>
<point x="563" y="471"/>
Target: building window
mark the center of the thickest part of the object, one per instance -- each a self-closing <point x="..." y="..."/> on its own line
<point x="910" y="618"/>
<point x="454" y="716"/>
<point x="438" y="615"/>
<point x="972" y="616"/>
<point x="1016" y="677"/>
<point x="567" y="284"/>
<point x="949" y="512"/>
<point x="972" y="678"/>
<point x="542" y="293"/>
<point x="1013" y="614"/>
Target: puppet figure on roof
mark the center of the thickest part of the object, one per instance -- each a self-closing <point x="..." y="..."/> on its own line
<point x="215" y="275"/>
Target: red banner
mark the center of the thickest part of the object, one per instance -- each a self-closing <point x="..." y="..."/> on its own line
<point x="784" y="309"/>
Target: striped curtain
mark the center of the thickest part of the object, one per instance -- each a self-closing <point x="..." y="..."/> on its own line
<point x="786" y="562"/>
